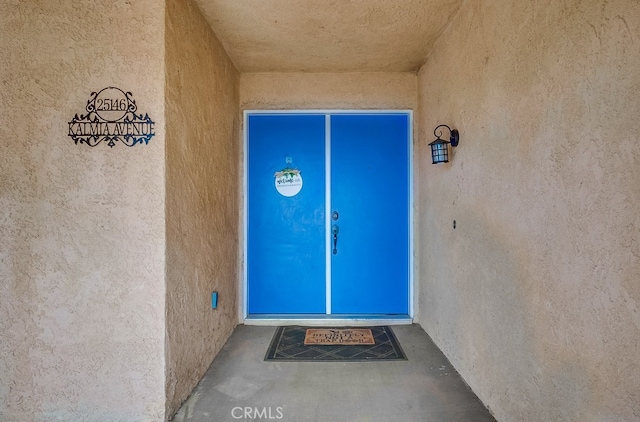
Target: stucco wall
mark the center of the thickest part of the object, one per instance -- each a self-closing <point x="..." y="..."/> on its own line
<point x="535" y="295"/>
<point x="328" y="91"/>
<point x="202" y="156"/>
<point x="81" y="228"/>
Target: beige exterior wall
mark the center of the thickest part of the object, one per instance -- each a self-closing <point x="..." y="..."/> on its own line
<point x="81" y="229"/>
<point x="304" y="91"/>
<point x="534" y="296"/>
<point x="202" y="197"/>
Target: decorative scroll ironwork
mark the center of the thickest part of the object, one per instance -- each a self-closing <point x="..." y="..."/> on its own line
<point x="111" y="117"/>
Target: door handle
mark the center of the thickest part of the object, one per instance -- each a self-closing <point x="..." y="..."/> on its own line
<point x="335" y="230"/>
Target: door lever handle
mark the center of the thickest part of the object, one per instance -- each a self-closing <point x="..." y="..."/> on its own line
<point x="335" y="230"/>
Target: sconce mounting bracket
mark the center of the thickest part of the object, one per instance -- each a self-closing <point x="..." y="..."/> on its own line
<point x="455" y="137"/>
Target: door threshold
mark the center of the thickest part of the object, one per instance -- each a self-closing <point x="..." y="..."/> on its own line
<point x="319" y="320"/>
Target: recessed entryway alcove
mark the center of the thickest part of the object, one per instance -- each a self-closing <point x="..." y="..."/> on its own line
<point x="109" y="256"/>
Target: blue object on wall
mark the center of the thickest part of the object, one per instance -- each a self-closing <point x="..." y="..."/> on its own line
<point x="214" y="300"/>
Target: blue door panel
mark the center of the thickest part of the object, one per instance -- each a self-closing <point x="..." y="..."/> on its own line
<point x="370" y="191"/>
<point x="286" y="241"/>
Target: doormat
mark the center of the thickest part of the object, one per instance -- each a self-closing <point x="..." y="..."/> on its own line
<point x="288" y="345"/>
<point x="345" y="336"/>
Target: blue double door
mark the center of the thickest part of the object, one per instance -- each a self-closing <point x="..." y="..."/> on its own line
<point x="328" y="213"/>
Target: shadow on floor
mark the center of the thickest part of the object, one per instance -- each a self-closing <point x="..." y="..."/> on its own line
<point x="240" y="386"/>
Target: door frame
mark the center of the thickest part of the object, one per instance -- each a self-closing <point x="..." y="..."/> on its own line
<point x="322" y="320"/>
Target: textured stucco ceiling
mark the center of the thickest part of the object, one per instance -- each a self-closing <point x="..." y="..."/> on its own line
<point x="328" y="35"/>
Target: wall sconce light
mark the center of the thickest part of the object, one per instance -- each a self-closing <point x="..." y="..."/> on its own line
<point x="440" y="147"/>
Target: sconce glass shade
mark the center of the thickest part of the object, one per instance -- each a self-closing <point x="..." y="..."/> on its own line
<point x="439" y="151"/>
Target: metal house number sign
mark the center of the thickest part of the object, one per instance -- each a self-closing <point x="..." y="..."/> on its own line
<point x="111" y="117"/>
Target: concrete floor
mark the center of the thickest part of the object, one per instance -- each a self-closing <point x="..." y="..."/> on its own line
<point x="239" y="385"/>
